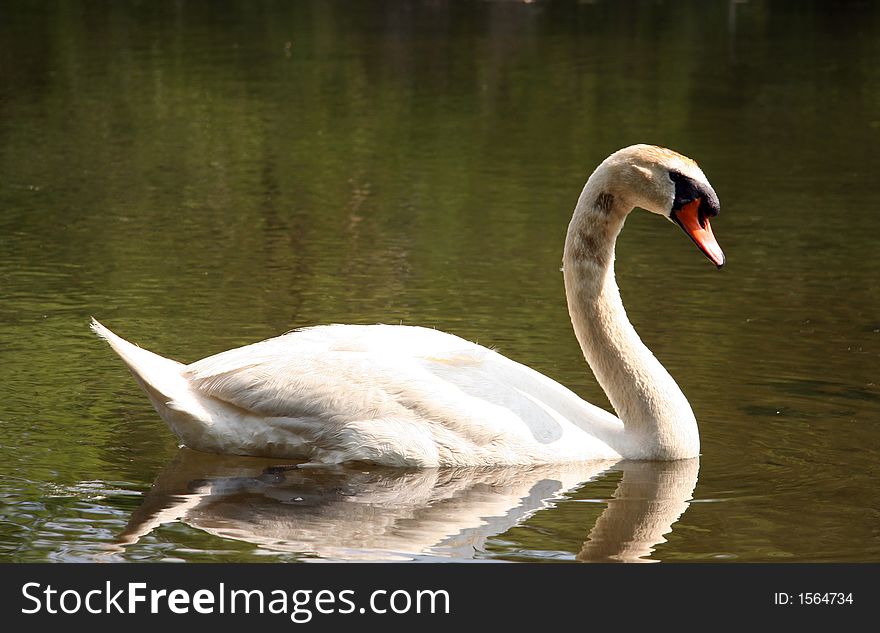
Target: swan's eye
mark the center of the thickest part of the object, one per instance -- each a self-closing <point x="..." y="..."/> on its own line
<point x="687" y="190"/>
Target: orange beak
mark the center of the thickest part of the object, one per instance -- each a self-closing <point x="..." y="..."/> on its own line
<point x="696" y="225"/>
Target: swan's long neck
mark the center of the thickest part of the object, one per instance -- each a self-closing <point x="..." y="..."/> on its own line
<point x="658" y="421"/>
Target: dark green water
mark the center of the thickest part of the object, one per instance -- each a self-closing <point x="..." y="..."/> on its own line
<point x="203" y="175"/>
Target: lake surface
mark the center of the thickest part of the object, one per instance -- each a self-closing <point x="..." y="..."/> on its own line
<point x="204" y="175"/>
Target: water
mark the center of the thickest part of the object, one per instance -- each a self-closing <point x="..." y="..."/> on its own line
<point x="204" y="175"/>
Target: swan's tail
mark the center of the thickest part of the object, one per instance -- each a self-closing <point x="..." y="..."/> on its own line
<point x="162" y="381"/>
<point x="158" y="376"/>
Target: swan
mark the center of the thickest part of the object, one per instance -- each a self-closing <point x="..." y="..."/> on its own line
<point x="408" y="396"/>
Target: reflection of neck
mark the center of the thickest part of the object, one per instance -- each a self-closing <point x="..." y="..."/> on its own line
<point x="651" y="497"/>
<point x="659" y="422"/>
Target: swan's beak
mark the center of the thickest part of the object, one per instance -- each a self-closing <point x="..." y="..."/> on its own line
<point x="696" y="225"/>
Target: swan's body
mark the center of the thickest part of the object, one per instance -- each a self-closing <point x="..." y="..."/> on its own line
<point x="389" y="394"/>
<point x="411" y="396"/>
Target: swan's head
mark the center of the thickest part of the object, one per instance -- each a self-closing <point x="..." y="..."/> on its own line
<point x="666" y="183"/>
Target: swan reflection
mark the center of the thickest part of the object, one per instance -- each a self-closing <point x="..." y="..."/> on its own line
<point x="388" y="514"/>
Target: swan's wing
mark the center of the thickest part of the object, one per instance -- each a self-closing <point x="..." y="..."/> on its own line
<point x="361" y="372"/>
<point x="334" y="375"/>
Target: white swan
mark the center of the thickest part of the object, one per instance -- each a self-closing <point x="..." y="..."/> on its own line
<point x="412" y="396"/>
